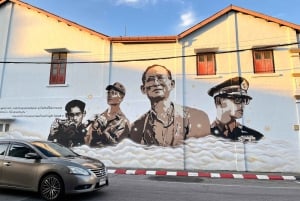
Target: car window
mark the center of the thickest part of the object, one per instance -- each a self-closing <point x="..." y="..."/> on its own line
<point x="19" y="150"/>
<point x="3" y="148"/>
<point x="52" y="149"/>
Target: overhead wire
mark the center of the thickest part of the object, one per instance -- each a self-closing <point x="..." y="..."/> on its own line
<point x="149" y="59"/>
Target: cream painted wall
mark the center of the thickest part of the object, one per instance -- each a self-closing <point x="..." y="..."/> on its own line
<point x="277" y="88"/>
<point x="25" y="92"/>
<point x="31" y="34"/>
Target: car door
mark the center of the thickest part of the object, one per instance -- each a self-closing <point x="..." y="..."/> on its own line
<point x="17" y="170"/>
<point x="3" y="149"/>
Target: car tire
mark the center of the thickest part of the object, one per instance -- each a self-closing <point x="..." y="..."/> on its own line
<point x="51" y="187"/>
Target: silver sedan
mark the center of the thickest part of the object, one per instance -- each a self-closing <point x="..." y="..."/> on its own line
<point x="48" y="168"/>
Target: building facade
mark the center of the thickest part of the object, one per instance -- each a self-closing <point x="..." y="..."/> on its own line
<point x="222" y="95"/>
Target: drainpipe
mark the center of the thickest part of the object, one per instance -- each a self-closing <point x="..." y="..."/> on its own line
<point x="297" y="101"/>
<point x="237" y="42"/>
<point x="6" y="48"/>
<point x="110" y="61"/>
<point x="183" y="92"/>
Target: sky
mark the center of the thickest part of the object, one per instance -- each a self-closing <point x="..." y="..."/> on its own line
<point x="156" y="17"/>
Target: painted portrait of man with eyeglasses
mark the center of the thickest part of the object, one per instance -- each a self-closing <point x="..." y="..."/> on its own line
<point x="230" y="99"/>
<point x="166" y="123"/>
<point x="70" y="131"/>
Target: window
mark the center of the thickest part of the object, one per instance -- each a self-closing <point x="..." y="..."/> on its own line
<point x="4" y="127"/>
<point x="3" y="148"/>
<point x="206" y="64"/>
<point x="263" y="61"/>
<point x="58" y="68"/>
<point x="19" y="150"/>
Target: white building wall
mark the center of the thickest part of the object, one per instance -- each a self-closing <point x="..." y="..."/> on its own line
<point x="32" y="104"/>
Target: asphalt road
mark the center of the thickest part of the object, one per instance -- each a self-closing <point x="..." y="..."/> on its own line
<point x="171" y="188"/>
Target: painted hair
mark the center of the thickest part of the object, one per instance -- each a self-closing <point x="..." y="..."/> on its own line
<point x="75" y="103"/>
<point x="153" y="66"/>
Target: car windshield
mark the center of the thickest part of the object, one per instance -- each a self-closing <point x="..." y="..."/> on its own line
<point x="51" y="149"/>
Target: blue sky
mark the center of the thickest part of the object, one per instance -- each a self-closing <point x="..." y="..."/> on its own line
<point x="156" y="17"/>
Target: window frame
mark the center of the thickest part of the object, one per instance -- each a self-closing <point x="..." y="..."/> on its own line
<point x="4" y="145"/>
<point x="263" y="65"/>
<point x="4" y="127"/>
<point x="209" y="70"/>
<point x="58" y="68"/>
<point x="10" y="150"/>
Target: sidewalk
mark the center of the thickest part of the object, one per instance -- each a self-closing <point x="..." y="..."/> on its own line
<point x="208" y="174"/>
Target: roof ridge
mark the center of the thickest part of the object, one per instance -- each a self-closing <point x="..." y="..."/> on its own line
<point x="171" y="38"/>
<point x="232" y="7"/>
<point x="61" y="19"/>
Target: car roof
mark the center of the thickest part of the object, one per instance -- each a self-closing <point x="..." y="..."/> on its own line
<point x="21" y="140"/>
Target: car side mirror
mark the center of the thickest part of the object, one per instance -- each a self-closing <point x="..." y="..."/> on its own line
<point x="32" y="156"/>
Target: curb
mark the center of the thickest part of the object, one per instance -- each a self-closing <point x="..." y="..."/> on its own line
<point x="222" y="175"/>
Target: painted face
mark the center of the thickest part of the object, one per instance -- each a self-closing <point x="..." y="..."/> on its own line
<point x="230" y="109"/>
<point x="113" y="97"/>
<point x="157" y="84"/>
<point x="76" y="115"/>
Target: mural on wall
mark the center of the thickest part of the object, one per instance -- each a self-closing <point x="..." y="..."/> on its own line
<point x="204" y="121"/>
<point x="230" y="98"/>
<point x="169" y="135"/>
<point x="111" y="126"/>
<point x="166" y="123"/>
<point x="70" y="131"/>
<point x="107" y="128"/>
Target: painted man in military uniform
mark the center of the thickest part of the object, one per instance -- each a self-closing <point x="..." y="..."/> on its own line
<point x="111" y="126"/>
<point x="70" y="131"/>
<point x="166" y="123"/>
<point x="230" y="99"/>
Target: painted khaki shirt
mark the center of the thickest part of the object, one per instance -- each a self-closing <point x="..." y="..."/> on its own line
<point x="107" y="131"/>
<point x="183" y="122"/>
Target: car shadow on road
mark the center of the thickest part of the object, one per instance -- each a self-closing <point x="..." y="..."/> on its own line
<point x="176" y="179"/>
<point x="96" y="195"/>
<point x="11" y="194"/>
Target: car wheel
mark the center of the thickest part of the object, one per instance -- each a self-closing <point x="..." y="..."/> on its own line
<point x="51" y="188"/>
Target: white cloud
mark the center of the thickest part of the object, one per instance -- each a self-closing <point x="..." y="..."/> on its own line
<point x="127" y="1"/>
<point x="187" y="19"/>
<point x="135" y="2"/>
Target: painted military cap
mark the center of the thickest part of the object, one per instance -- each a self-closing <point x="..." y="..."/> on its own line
<point x="118" y="87"/>
<point x="232" y="86"/>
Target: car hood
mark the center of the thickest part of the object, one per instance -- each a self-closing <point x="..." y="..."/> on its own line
<point x="85" y="161"/>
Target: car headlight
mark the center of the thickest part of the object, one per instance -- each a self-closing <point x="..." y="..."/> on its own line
<point x="78" y="170"/>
